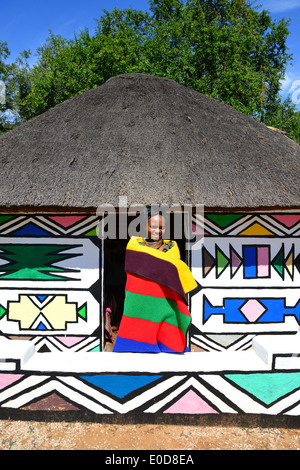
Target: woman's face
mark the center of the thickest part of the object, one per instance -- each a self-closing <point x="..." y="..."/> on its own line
<point x="156" y="227"/>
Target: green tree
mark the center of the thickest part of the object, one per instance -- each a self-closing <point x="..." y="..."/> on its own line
<point x="286" y="117"/>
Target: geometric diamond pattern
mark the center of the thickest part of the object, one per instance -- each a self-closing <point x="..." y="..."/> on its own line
<point x="252" y="309"/>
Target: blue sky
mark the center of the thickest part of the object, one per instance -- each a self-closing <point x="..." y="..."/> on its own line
<point x="25" y="25"/>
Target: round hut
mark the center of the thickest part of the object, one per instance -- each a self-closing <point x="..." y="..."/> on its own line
<point x="151" y="140"/>
<point x="148" y="140"/>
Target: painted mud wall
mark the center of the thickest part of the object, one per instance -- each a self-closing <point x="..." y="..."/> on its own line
<point x="51" y="325"/>
<point x="50" y="291"/>
<point x="249" y="270"/>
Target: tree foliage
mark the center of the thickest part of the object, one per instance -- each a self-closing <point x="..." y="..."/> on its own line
<point x="225" y="49"/>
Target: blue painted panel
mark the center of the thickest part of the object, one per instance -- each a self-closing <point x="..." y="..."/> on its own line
<point x="250" y="262"/>
<point x="120" y="385"/>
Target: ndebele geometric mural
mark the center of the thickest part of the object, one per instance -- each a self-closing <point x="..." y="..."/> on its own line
<point x="50" y="270"/>
<point x="249" y="270"/>
<point x="247" y="266"/>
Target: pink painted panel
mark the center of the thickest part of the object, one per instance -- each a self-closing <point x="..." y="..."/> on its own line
<point x="263" y="261"/>
<point x="191" y="403"/>
<point x="8" y="379"/>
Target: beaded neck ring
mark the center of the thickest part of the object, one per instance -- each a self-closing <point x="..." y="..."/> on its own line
<point x="153" y="244"/>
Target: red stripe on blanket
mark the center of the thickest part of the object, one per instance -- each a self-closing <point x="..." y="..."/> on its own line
<point x="140" y="285"/>
<point x="149" y="332"/>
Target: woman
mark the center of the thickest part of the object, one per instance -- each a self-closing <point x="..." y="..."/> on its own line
<point x="156" y="317"/>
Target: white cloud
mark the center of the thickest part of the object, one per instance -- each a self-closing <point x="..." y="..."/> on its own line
<point x="290" y="87"/>
<point x="286" y="83"/>
<point x="278" y="6"/>
<point x="295" y="92"/>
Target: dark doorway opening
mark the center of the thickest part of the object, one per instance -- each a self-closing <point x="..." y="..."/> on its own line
<point x="115" y="276"/>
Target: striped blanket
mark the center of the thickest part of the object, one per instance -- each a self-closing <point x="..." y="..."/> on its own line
<point x="156" y="316"/>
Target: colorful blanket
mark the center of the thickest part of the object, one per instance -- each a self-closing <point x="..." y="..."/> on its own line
<point x="156" y="316"/>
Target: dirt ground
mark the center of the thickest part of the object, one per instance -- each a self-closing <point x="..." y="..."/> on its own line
<point x="187" y="434"/>
<point x="65" y="435"/>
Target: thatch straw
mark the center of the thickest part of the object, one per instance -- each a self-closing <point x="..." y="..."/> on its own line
<point x="151" y="140"/>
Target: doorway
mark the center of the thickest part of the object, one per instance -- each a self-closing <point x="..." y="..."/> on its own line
<point x="115" y="280"/>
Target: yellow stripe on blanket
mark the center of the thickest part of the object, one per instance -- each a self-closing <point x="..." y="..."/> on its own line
<point x="173" y="256"/>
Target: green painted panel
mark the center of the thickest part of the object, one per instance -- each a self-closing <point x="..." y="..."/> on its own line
<point x="267" y="387"/>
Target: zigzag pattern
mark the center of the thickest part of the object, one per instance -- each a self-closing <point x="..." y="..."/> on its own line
<point x="255" y="225"/>
<point x="220" y="343"/>
<point x="48" y="225"/>
<point x="66" y="343"/>
<point x="267" y="393"/>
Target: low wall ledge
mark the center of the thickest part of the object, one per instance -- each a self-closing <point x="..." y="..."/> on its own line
<point x="268" y="352"/>
<point x="280" y="352"/>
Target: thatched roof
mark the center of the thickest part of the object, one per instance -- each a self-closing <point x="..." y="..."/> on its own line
<point x="151" y="140"/>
